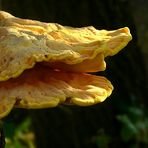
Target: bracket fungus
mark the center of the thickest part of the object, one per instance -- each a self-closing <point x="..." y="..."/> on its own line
<point x="46" y="64"/>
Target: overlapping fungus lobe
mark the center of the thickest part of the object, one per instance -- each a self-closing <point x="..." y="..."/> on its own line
<point x="45" y="64"/>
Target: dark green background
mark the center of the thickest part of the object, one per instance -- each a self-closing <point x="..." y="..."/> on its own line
<point x="105" y="125"/>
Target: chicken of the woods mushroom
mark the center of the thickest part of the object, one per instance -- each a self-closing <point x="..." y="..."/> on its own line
<point x="46" y="64"/>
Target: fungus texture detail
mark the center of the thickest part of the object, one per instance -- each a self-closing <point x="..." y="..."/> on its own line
<point x="45" y="64"/>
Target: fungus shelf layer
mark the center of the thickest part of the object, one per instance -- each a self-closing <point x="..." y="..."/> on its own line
<point x="43" y="64"/>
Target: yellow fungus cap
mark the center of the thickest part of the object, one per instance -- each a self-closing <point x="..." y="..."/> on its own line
<point x="64" y="55"/>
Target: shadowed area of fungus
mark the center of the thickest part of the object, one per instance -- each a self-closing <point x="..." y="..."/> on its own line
<point x="44" y="64"/>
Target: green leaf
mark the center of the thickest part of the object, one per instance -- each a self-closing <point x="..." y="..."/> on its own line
<point x="102" y="141"/>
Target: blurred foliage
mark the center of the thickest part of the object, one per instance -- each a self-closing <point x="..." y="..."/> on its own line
<point x="134" y="127"/>
<point x="102" y="140"/>
<point x="19" y="136"/>
<point x="120" y="121"/>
